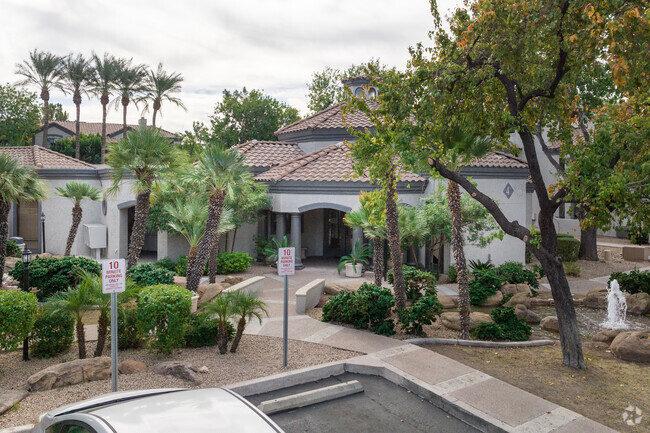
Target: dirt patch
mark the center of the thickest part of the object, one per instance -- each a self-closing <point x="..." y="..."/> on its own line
<point x="602" y="392"/>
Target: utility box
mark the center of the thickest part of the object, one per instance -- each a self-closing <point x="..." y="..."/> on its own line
<point x="95" y="236"/>
<point x="636" y="253"/>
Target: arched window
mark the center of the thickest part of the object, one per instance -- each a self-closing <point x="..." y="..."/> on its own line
<point x="358" y="93"/>
<point x="372" y="93"/>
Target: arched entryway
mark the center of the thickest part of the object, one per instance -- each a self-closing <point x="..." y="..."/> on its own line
<point x="127" y="216"/>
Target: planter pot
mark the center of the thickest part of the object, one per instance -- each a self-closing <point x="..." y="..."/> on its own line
<point x="350" y="270"/>
<point x="195" y="304"/>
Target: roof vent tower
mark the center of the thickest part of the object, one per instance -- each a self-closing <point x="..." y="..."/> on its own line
<point x="360" y="87"/>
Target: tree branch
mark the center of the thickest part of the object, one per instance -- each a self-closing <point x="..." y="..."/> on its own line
<point x="556" y="163"/>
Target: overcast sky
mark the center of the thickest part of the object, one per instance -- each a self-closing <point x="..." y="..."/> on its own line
<point x="272" y="45"/>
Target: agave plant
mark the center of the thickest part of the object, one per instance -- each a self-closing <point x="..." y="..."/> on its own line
<point x="271" y="251"/>
<point x="360" y="254"/>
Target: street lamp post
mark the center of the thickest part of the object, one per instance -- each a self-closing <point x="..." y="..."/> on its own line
<point x="26" y="258"/>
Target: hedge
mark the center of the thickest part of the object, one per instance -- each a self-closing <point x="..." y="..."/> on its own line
<point x="148" y="274"/>
<point x="228" y="263"/>
<point x="164" y="311"/>
<point x="17" y="316"/>
<point x="568" y="248"/>
<point x="52" y="334"/>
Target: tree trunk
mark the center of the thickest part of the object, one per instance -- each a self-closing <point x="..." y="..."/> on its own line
<point x="453" y="197"/>
<point x="81" y="339"/>
<point x="124" y="105"/>
<point x="212" y="262"/>
<point x="102" y="332"/>
<point x="392" y="233"/>
<point x="588" y="244"/>
<point x="77" y="132"/>
<point x="415" y="256"/>
<point x="191" y="259"/>
<point x="139" y="227"/>
<point x="4" y="231"/>
<point x="77" y="213"/>
<point x="104" y="101"/>
<point x="222" y="338"/>
<point x="234" y="236"/>
<point x="208" y="239"/>
<point x="241" y="325"/>
<point x="45" y="95"/>
<point x="378" y="260"/>
<point x="154" y="117"/>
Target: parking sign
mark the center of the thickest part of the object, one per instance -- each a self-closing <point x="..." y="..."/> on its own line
<point x="286" y="261"/>
<point x="113" y="276"/>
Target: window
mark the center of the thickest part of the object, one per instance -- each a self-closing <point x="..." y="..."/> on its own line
<point x="372" y="93"/>
<point x="70" y="427"/>
<point x="358" y="92"/>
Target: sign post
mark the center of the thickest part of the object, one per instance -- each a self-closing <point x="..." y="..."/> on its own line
<point x="113" y="282"/>
<point x="286" y="267"/>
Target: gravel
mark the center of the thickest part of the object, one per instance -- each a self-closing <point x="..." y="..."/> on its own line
<point x="256" y="357"/>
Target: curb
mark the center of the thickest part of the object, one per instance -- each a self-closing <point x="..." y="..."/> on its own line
<point x="27" y="428"/>
<point x="310" y="397"/>
<point x="476" y="343"/>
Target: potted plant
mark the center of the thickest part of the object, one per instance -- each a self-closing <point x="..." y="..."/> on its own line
<point x="353" y="261"/>
<point x="271" y="250"/>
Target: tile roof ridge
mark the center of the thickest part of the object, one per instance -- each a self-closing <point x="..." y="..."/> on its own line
<point x="37" y="161"/>
<point x="307" y="158"/>
<point x="510" y="156"/>
<point x="331" y="107"/>
<point x="61" y="155"/>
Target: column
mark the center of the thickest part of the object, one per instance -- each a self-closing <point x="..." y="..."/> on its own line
<point x="357" y="236"/>
<point x="296" y="238"/>
<point x="280" y="230"/>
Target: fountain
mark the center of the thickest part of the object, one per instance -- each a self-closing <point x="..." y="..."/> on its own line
<point x="616" y="308"/>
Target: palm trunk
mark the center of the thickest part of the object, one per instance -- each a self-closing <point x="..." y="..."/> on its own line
<point x="234" y="236"/>
<point x="102" y="332"/>
<point x="222" y="338"/>
<point x="153" y="122"/>
<point x="209" y="238"/>
<point x="191" y="259"/>
<point x="453" y="197"/>
<point x="104" y="100"/>
<point x="392" y="233"/>
<point x="77" y="133"/>
<point x="77" y="213"/>
<point x="241" y="325"/>
<point x="139" y="228"/>
<point x="378" y="260"/>
<point x="4" y="231"/>
<point x="46" y="123"/>
<point x="81" y="339"/>
<point x="415" y="256"/>
<point x="124" y="118"/>
<point x="212" y="265"/>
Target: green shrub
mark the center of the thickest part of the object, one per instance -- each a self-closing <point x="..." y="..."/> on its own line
<point x="485" y="284"/>
<point x="129" y="334"/>
<point x="638" y="235"/>
<point x="452" y="273"/>
<point x="17" y="316"/>
<point x="571" y="269"/>
<point x="203" y="330"/>
<point x="52" y="334"/>
<point x="228" y="263"/>
<point x="368" y="307"/>
<point x="506" y="326"/>
<point x="515" y="273"/>
<point x="166" y="263"/>
<point x="164" y="310"/>
<point x="148" y="274"/>
<point x="634" y="282"/>
<point x="539" y="271"/>
<point x="480" y="265"/>
<point x="13" y="250"/>
<point x="55" y="274"/>
<point x="568" y="247"/>
<point x="422" y="312"/>
<point x="418" y="283"/>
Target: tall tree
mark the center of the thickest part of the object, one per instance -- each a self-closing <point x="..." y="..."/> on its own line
<point x="242" y="116"/>
<point x="128" y="84"/>
<point x="17" y="183"/>
<point x="77" y="192"/>
<point x="57" y="113"/>
<point x="77" y="72"/>
<point x="187" y="217"/>
<point x="19" y="116"/>
<point x="147" y="154"/>
<point x="159" y="87"/>
<point x="44" y="71"/>
<point x="102" y="84"/>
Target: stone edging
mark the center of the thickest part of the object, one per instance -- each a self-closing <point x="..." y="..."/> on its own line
<point x="476" y="343"/>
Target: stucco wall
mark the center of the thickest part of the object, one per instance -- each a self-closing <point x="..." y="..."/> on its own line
<point x="52" y="131"/>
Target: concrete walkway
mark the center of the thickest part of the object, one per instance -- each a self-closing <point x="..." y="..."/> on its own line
<point x="502" y="405"/>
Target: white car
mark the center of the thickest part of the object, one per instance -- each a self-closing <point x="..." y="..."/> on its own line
<point x="213" y="410"/>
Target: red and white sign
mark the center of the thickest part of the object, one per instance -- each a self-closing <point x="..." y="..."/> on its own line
<point x="113" y="276"/>
<point x="286" y="261"/>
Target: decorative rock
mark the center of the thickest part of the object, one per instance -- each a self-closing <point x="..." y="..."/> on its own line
<point x="334" y="288"/>
<point x="596" y="298"/>
<point x="606" y="335"/>
<point x="452" y="320"/>
<point x="208" y="292"/>
<point x="632" y="346"/>
<point x="204" y="370"/>
<point x="494" y="300"/>
<point x="550" y="323"/>
<point x="528" y="315"/>
<point x="70" y="373"/>
<point x="10" y="263"/>
<point x="180" y="281"/>
<point x="233" y="279"/>
<point x="508" y="289"/>
<point x="179" y="369"/>
<point x="639" y="303"/>
<point x="10" y="397"/>
<point x="519" y="298"/>
<point x="131" y="367"/>
<point x="446" y="300"/>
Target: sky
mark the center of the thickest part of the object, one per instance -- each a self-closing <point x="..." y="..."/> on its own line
<point x="271" y="45"/>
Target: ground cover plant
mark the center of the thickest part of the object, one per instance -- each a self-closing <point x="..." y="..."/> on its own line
<point x="423" y="311"/>
<point x="507" y="326"/>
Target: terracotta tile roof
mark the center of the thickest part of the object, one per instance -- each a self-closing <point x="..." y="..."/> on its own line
<point x="329" y="118"/>
<point x="40" y="157"/>
<point x="92" y="128"/>
<point x="329" y="164"/>
<point x="498" y="159"/>
<point x="268" y="153"/>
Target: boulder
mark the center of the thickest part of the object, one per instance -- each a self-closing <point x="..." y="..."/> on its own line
<point x="519" y="298"/>
<point x="179" y="369"/>
<point x="204" y="370"/>
<point x="10" y="397"/>
<point x="10" y="263"/>
<point x="528" y="315"/>
<point x="208" y="292"/>
<point x="606" y="335"/>
<point x="70" y="373"/>
<point x="334" y="288"/>
<point x="446" y="300"/>
<point x="452" y="320"/>
<point x="508" y="289"/>
<point x="131" y="367"/>
<point x="233" y="279"/>
<point x="632" y="346"/>
<point x="639" y="303"/>
<point x="494" y="300"/>
<point x="180" y="281"/>
<point x="550" y="323"/>
<point x="596" y="298"/>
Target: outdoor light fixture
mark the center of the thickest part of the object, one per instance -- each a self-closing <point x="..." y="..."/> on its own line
<point x="26" y="258"/>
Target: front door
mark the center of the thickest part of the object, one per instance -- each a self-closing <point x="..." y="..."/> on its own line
<point x="337" y="234"/>
<point x="28" y="220"/>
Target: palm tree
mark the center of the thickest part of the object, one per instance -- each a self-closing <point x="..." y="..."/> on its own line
<point x="158" y="88"/>
<point x="43" y="70"/>
<point x="375" y="230"/>
<point x="17" y="183"/>
<point x="246" y="306"/>
<point x="76" y="74"/>
<point x="147" y="154"/>
<point x="187" y="217"/>
<point x="412" y="229"/>
<point x="222" y="308"/>
<point x="129" y="83"/>
<point x="218" y="170"/>
<point x="103" y="82"/>
<point x="77" y="192"/>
